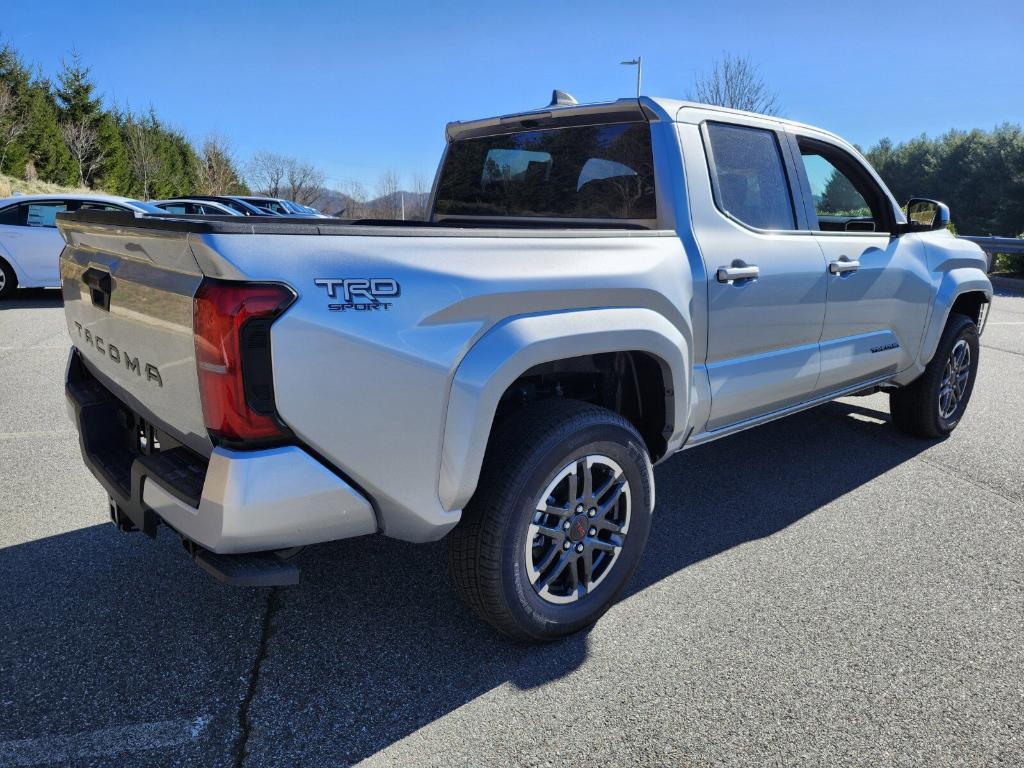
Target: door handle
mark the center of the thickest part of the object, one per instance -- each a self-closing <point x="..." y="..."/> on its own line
<point x="731" y="274"/>
<point x="842" y="266"/>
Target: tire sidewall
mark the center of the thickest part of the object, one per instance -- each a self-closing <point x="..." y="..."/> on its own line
<point x="534" y="615"/>
<point x="969" y="332"/>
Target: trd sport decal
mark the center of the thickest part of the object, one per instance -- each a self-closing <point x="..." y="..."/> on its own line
<point x="360" y="294"/>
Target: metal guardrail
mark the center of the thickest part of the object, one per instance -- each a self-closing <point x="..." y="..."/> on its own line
<point x="997" y="244"/>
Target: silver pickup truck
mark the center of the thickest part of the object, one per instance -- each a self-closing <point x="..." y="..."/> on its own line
<point x="597" y="287"/>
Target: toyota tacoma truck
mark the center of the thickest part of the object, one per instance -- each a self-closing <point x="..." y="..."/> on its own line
<point x="596" y="288"/>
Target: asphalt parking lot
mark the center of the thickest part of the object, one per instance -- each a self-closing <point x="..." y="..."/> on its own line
<point x="817" y="591"/>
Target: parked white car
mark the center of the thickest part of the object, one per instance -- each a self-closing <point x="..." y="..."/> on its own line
<point x="30" y="244"/>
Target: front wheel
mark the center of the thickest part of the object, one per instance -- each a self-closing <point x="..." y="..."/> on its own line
<point x="932" y="405"/>
<point x="558" y="523"/>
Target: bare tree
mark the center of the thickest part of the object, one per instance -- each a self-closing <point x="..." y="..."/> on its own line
<point x="734" y="82"/>
<point x="420" y="195"/>
<point x="304" y="182"/>
<point x="267" y="172"/>
<point x="12" y="122"/>
<point x="355" y="196"/>
<point x="282" y="176"/>
<point x="218" y="173"/>
<point x="83" y="141"/>
<point x="142" y="152"/>
<point x="389" y="196"/>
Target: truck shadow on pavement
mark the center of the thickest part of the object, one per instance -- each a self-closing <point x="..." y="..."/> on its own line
<point x="100" y="629"/>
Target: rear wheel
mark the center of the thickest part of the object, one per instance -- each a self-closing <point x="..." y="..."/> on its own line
<point x="8" y="280"/>
<point x="558" y="523"/>
<point x="933" y="404"/>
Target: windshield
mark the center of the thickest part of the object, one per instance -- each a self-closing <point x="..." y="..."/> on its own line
<point x="580" y="172"/>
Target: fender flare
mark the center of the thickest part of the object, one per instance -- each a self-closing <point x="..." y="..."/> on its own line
<point x="953" y="284"/>
<point x="515" y="345"/>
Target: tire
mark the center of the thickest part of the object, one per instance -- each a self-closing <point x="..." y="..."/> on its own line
<point x="932" y="405"/>
<point x="8" y="280"/>
<point x="503" y="537"/>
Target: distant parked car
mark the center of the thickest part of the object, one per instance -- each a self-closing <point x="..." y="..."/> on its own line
<point x="195" y="207"/>
<point x="282" y="207"/>
<point x="236" y="204"/>
<point x="30" y="244"/>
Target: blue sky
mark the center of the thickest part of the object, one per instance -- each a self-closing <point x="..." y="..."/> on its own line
<point x="358" y="88"/>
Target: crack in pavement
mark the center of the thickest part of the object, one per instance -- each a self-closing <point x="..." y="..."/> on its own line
<point x="244" y="725"/>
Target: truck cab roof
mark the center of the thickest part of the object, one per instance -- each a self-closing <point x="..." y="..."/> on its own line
<point x="650" y="108"/>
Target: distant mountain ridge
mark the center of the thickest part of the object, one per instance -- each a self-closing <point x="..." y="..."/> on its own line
<point x="334" y="202"/>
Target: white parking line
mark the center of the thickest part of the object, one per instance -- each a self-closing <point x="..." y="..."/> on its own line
<point x="99" y="743"/>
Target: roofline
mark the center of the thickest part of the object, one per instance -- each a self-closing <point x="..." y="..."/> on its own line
<point x="69" y="196"/>
<point x="651" y="108"/>
<point x="624" y="110"/>
<point x="758" y="115"/>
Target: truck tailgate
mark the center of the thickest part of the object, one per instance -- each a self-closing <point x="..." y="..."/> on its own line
<point x="128" y="303"/>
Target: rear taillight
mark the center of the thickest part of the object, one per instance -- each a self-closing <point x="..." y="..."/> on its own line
<point x="232" y="334"/>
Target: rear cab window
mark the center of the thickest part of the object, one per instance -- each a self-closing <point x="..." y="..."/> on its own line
<point x="579" y="173"/>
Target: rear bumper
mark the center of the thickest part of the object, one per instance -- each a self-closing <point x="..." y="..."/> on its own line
<point x="234" y="502"/>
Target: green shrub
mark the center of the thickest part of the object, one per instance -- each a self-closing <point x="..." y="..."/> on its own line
<point x="1010" y="262"/>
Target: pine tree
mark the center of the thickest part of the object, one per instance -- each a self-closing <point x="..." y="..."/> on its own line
<point x="75" y="93"/>
<point x="39" y="150"/>
<point x="89" y="132"/>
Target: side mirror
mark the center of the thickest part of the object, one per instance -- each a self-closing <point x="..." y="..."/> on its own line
<point x="924" y="215"/>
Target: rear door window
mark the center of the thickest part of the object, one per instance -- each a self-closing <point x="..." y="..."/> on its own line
<point x="578" y="172"/>
<point x="44" y="214"/>
<point x="748" y="176"/>
<point x="99" y="207"/>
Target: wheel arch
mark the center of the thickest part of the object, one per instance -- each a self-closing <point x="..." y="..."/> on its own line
<point x="520" y="345"/>
<point x="964" y="290"/>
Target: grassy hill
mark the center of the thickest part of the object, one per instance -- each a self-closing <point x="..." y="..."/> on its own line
<point x="9" y="185"/>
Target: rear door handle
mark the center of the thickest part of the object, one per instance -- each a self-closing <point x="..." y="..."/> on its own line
<point x="843" y="265"/>
<point x="731" y="274"/>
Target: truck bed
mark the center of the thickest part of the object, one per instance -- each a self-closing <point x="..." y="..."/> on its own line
<point x="457" y="284"/>
<point x="280" y="225"/>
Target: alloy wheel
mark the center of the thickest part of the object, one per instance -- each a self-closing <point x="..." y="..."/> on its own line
<point x="579" y="525"/>
<point x="955" y="375"/>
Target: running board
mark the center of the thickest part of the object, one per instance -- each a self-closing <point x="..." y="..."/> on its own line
<point x="260" y="569"/>
<point x="757" y="421"/>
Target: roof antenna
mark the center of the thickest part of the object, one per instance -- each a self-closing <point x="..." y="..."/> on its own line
<point x="562" y="99"/>
<point x="638" y="62"/>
